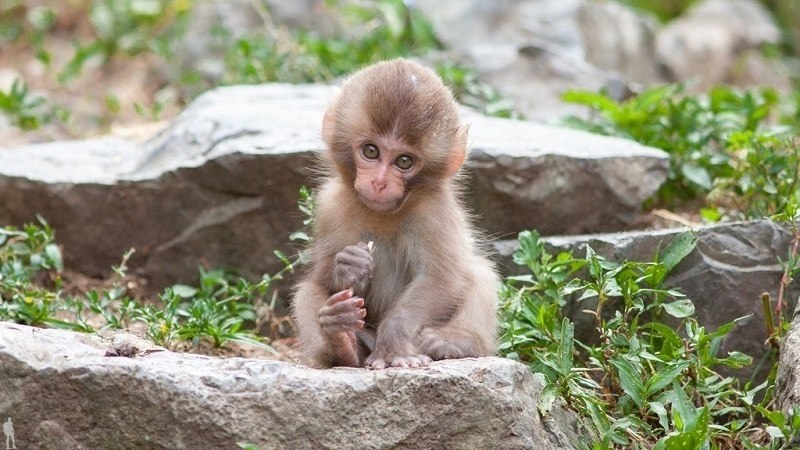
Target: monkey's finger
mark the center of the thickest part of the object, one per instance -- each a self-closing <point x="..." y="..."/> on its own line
<point x="339" y="297"/>
<point x="410" y="361"/>
<point x="344" y="306"/>
<point x="376" y="364"/>
<point x="360" y="259"/>
<point x="342" y="322"/>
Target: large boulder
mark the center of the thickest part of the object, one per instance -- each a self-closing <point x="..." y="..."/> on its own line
<point x="731" y="266"/>
<point x="61" y="390"/>
<point x="219" y="187"/>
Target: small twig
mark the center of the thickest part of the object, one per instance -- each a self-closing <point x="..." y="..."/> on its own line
<point x="768" y="318"/>
<point x="786" y="277"/>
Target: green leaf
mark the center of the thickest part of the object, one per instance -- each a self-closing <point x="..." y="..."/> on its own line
<point x="659" y="410"/>
<point x="566" y="346"/>
<point x="677" y="249"/>
<point x="668" y="334"/>
<point x="594" y="100"/>
<point x="679" y="308"/>
<point x="299" y="236"/>
<point x="697" y="175"/>
<point x="682" y="410"/>
<point x="737" y="360"/>
<point x="54" y="254"/>
<point x="184" y="291"/>
<point x="695" y="434"/>
<point x="630" y="380"/>
<point x="664" y="377"/>
<point x="711" y="214"/>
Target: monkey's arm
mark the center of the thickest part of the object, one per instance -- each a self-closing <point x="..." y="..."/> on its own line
<point x="352" y="269"/>
<point x="326" y="324"/>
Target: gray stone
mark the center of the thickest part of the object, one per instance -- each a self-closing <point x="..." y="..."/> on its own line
<point x="732" y="265"/>
<point x="707" y="41"/>
<point x="60" y="389"/>
<point x="558" y="181"/>
<point x="219" y="187"/>
<point x="530" y="50"/>
<point x="616" y="38"/>
<point x="788" y="379"/>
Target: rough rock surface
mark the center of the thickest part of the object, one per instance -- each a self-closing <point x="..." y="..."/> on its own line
<point x="534" y="50"/>
<point x="788" y="381"/>
<point x="530" y="50"/>
<point x="220" y="185"/>
<point x="724" y="276"/>
<point x="709" y="39"/>
<point x="617" y="38"/>
<point x="62" y="392"/>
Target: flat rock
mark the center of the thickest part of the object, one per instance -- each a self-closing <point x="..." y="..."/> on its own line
<point x="59" y="388"/>
<point x="219" y="186"/>
<point x="731" y="266"/>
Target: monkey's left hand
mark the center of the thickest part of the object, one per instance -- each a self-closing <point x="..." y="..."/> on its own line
<point x="353" y="268"/>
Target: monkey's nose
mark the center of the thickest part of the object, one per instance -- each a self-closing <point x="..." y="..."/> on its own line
<point x="378" y="185"/>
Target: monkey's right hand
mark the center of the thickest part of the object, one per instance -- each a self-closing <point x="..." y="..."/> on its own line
<point x="339" y="319"/>
<point x="353" y="268"/>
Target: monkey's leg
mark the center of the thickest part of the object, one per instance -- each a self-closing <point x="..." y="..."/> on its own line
<point x="449" y="342"/>
<point x="339" y="320"/>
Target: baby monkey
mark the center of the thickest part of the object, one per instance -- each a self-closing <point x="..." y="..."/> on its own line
<point x="396" y="277"/>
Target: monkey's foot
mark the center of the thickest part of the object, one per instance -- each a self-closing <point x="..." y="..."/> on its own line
<point x="407" y="361"/>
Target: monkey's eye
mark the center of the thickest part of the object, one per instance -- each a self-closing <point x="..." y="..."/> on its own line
<point x="404" y="162"/>
<point x="370" y="151"/>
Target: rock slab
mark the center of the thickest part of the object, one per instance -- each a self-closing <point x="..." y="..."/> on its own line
<point x="219" y="187"/>
<point x="62" y="392"/>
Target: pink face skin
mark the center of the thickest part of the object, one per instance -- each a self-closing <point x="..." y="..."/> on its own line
<point x="383" y="168"/>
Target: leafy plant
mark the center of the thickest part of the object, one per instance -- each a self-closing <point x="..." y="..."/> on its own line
<point x="25" y="254"/>
<point x="647" y="377"/>
<point x="719" y="139"/>
<point x="220" y="309"/>
<point x="469" y="90"/>
<point x="375" y="31"/>
<point x="665" y="10"/>
<point x="25" y="110"/>
<point x="764" y="179"/>
<point x="129" y="27"/>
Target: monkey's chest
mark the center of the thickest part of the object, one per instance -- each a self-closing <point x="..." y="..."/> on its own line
<point x="392" y="272"/>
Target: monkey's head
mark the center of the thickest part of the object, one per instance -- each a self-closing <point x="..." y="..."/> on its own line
<point x="394" y="128"/>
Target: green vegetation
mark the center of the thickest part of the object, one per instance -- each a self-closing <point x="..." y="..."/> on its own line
<point x="648" y="377"/>
<point x="221" y="308"/>
<point x="25" y="110"/>
<point x="725" y="145"/>
<point x="664" y="10"/>
<point x="126" y="30"/>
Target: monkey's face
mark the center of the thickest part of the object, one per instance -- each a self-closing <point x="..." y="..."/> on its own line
<point x="383" y="170"/>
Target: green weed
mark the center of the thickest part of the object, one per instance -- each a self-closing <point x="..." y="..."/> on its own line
<point x="649" y="379"/>
<point x="722" y="142"/>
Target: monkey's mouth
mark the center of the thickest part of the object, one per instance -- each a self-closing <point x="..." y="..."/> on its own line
<point x="383" y="206"/>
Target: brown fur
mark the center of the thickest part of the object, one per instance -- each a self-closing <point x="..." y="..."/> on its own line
<point x="431" y="292"/>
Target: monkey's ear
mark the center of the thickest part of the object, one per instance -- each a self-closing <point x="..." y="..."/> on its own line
<point x="329" y="121"/>
<point x="328" y="124"/>
<point x="458" y="150"/>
